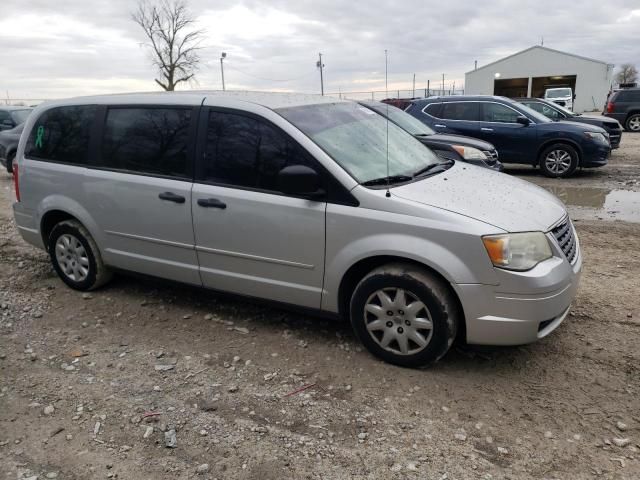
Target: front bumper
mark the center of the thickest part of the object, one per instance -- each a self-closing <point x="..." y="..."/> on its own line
<point x="595" y="155"/>
<point x="525" y="306"/>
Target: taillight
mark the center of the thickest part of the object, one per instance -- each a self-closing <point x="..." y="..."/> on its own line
<point x="610" y="107"/>
<point x="16" y="183"/>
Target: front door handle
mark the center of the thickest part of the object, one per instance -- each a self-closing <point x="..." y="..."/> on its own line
<point x="171" y="197"/>
<point x="439" y="125"/>
<point x="486" y="129"/>
<point x="211" y="203"/>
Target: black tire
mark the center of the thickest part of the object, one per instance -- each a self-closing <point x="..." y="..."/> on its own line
<point x="632" y="124"/>
<point x="97" y="273"/>
<point x="10" y="158"/>
<point x="440" y="306"/>
<point x="559" y="151"/>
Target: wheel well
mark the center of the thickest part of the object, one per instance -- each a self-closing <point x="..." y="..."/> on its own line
<point x="632" y="112"/>
<point x="358" y="271"/>
<point x="562" y="141"/>
<point x="50" y="220"/>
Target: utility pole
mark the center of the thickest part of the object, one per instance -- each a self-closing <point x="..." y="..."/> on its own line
<point x="320" y="65"/>
<point x="222" y="57"/>
<point x="475" y="65"/>
<point x="428" y="94"/>
<point x="414" y="86"/>
<point x="443" y="84"/>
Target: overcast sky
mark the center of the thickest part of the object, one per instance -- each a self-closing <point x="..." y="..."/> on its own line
<point x="61" y="48"/>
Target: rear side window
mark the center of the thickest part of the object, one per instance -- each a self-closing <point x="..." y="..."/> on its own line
<point x="460" y="111"/>
<point x="498" y="113"/>
<point x="433" y="109"/>
<point x="62" y="135"/>
<point x="628" y="96"/>
<point x="153" y="141"/>
<point x="247" y="152"/>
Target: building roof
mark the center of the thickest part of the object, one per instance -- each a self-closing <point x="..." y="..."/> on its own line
<point x="541" y="48"/>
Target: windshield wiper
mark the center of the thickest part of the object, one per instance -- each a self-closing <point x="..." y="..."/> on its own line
<point x="433" y="166"/>
<point x="423" y="134"/>
<point x="391" y="179"/>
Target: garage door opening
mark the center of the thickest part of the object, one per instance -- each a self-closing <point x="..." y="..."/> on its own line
<point x="511" y="87"/>
<point x="540" y="84"/>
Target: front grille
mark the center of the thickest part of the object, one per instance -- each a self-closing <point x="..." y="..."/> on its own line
<point x="492" y="156"/>
<point x="566" y="239"/>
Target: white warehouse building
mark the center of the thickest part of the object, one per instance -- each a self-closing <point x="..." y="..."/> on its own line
<point x="530" y="72"/>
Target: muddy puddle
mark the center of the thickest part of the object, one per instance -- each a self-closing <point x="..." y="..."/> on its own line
<point x="599" y="203"/>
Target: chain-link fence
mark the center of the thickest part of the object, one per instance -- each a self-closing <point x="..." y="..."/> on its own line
<point x="406" y="93"/>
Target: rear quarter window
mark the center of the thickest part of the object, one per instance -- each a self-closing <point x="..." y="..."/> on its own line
<point x="62" y="134"/>
<point x="469" y="111"/>
<point x="627" y="96"/>
<point x="433" y="109"/>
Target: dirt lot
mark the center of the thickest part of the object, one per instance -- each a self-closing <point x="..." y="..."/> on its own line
<point x="91" y="385"/>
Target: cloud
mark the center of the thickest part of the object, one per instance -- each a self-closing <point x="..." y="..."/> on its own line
<point x="77" y="47"/>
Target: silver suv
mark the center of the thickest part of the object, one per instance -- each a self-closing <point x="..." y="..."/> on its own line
<point x="303" y="200"/>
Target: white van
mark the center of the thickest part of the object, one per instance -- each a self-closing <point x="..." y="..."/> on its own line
<point x="562" y="96"/>
<point x="304" y="200"/>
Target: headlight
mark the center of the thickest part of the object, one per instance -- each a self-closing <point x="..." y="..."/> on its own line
<point x="517" y="251"/>
<point x="469" y="153"/>
<point x="597" y="137"/>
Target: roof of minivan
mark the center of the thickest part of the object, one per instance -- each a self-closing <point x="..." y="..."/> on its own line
<point x="269" y="100"/>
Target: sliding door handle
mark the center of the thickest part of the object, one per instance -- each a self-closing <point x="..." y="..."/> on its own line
<point x="171" y="197"/>
<point x="211" y="203"/>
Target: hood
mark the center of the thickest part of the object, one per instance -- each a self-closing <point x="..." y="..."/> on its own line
<point x="498" y="199"/>
<point x="571" y="126"/>
<point x="456" y="140"/>
<point x="598" y="121"/>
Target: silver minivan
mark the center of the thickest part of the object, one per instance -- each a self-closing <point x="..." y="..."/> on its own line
<point x="303" y="200"/>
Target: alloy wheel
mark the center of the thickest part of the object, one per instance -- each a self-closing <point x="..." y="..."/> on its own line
<point x="558" y="161"/>
<point x="634" y="123"/>
<point x="398" y="321"/>
<point x="72" y="257"/>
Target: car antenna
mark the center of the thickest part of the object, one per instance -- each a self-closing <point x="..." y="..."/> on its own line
<point x="386" y="88"/>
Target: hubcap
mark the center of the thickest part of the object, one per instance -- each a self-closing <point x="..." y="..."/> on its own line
<point x="634" y="123"/>
<point x="558" y="161"/>
<point x="72" y="258"/>
<point x="408" y="330"/>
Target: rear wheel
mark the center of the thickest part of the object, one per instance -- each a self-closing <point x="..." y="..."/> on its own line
<point x="76" y="257"/>
<point x="633" y="123"/>
<point x="558" y="160"/>
<point x="404" y="315"/>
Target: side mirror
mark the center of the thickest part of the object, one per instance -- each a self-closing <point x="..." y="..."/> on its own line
<point x="574" y="96"/>
<point x="300" y="180"/>
<point x="7" y="124"/>
<point x="522" y="120"/>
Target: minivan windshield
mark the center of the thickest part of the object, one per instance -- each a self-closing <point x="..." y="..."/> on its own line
<point x="356" y="138"/>
<point x="405" y="121"/>
<point x="558" y="93"/>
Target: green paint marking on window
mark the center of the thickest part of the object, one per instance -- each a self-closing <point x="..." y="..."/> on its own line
<point x="39" y="135"/>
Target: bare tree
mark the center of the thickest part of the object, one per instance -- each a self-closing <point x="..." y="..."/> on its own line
<point x="169" y="28"/>
<point x="627" y="73"/>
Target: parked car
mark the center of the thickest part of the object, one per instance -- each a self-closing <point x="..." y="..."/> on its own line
<point x="520" y="134"/>
<point x="624" y="106"/>
<point x="303" y="200"/>
<point x="562" y="96"/>
<point x="12" y="116"/>
<point x="8" y="146"/>
<point x="454" y="147"/>
<point x="556" y="112"/>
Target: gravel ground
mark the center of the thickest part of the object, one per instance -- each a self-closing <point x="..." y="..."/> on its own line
<point x="98" y="385"/>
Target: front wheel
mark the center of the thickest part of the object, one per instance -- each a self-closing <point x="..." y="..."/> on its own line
<point x="558" y="160"/>
<point x="633" y="123"/>
<point x="76" y="257"/>
<point x="404" y="315"/>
